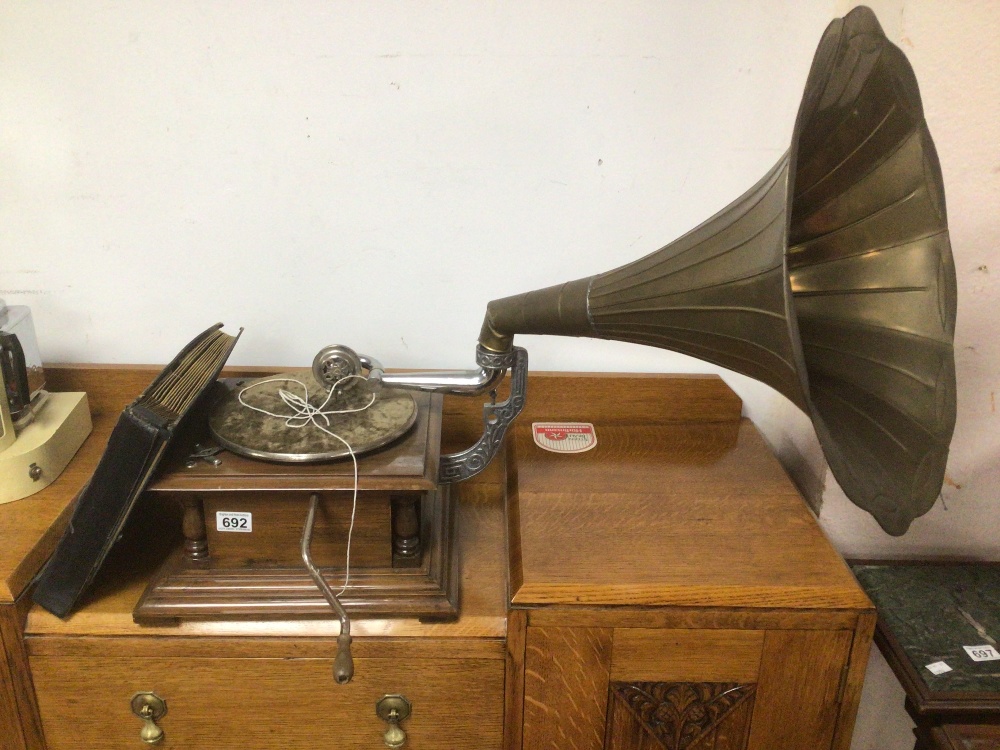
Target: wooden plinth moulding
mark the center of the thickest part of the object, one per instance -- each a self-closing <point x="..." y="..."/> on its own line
<point x="189" y="589"/>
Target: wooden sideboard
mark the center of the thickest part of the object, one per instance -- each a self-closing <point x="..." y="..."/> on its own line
<point x="667" y="589"/>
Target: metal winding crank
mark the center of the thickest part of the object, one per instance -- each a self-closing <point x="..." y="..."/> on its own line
<point x="343" y="664"/>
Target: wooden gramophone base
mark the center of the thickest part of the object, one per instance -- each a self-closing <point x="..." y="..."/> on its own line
<point x="202" y="589"/>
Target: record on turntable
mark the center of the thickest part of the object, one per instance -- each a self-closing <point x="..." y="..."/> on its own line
<point x="292" y="417"/>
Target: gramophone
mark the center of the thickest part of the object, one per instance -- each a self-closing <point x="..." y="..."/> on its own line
<point x="39" y="431"/>
<point x="830" y="280"/>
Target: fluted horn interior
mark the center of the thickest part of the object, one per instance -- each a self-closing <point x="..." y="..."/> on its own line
<point x="871" y="274"/>
<point x="830" y="280"/>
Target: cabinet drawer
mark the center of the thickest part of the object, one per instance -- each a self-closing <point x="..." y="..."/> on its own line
<point x="264" y="703"/>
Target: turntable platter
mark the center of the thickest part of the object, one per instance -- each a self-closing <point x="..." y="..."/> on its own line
<point x="250" y="427"/>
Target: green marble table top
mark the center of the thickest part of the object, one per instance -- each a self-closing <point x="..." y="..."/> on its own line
<point x="934" y="610"/>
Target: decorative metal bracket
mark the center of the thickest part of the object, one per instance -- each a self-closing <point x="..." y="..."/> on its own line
<point x="457" y="467"/>
<point x="335" y="362"/>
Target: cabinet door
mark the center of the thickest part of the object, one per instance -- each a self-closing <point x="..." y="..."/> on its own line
<point x="802" y="674"/>
<point x="662" y="689"/>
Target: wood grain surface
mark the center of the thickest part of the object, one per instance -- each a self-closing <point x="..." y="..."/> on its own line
<point x="671" y="517"/>
<point x="964" y="737"/>
<point x="800" y="679"/>
<point x="699" y="618"/>
<point x="653" y="655"/>
<point x="566" y="688"/>
<point x="409" y="463"/>
<point x="799" y="689"/>
<point x="30" y="528"/>
<point x="20" y="727"/>
<point x="517" y="636"/>
<point x="854" y="680"/>
<point x="614" y="397"/>
<point x="278" y="519"/>
<point x="267" y="703"/>
<point x="268" y="589"/>
<point x="301" y="646"/>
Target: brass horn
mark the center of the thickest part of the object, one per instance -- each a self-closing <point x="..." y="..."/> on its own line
<point x="831" y="280"/>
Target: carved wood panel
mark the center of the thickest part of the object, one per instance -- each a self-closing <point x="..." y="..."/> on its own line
<point x="679" y="716"/>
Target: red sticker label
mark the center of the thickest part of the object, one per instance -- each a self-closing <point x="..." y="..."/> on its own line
<point x="564" y="437"/>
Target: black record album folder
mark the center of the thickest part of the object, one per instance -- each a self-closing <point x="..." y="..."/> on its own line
<point x="134" y="449"/>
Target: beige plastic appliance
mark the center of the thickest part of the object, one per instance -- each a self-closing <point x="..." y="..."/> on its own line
<point x="39" y="431"/>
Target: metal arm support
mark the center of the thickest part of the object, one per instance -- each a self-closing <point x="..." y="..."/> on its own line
<point x="335" y="362"/>
<point x="457" y="467"/>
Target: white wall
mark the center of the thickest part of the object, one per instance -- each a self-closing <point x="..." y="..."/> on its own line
<point x="368" y="173"/>
<point x="373" y="173"/>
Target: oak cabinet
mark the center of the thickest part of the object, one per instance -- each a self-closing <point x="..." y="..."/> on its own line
<point x="666" y="590"/>
<point x="674" y="592"/>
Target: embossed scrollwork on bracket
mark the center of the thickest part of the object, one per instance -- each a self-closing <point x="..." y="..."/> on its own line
<point x="457" y="467"/>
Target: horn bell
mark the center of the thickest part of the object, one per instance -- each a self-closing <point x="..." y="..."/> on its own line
<point x="831" y="280"/>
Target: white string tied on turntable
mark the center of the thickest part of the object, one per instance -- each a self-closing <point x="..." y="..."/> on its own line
<point x="305" y="414"/>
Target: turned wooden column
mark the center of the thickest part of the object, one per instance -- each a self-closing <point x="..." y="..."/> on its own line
<point x="193" y="525"/>
<point x="406" y="545"/>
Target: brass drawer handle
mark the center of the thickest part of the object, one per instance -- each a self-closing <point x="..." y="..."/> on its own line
<point x="392" y="709"/>
<point x="150" y="708"/>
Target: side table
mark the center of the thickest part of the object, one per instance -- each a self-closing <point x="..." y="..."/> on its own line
<point x="929" y="615"/>
<point x="965" y="737"/>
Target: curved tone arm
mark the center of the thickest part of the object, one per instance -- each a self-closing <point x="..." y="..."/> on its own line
<point x="335" y="362"/>
<point x="468" y="382"/>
